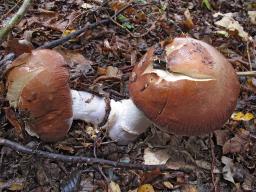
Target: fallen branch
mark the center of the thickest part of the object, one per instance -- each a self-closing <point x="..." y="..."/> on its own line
<point x="14" y="20"/>
<point x="78" y="159"/>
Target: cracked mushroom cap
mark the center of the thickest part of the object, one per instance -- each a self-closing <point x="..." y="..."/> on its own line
<point x="37" y="85"/>
<point x="185" y="86"/>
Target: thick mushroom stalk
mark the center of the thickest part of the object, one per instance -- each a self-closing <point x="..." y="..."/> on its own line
<point x="124" y="122"/>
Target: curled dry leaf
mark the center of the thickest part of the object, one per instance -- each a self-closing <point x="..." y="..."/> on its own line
<point x="239" y="143"/>
<point x="229" y="23"/>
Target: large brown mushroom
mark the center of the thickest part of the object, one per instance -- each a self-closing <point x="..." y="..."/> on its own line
<point x="38" y="86"/>
<point x="184" y="86"/>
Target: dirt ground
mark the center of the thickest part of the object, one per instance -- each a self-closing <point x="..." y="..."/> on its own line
<point x="102" y="59"/>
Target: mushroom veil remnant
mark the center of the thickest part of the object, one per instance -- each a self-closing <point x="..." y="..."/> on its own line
<point x="184" y="86"/>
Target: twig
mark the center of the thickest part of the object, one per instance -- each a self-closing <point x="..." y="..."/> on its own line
<point x="79" y="159"/>
<point x="62" y="40"/>
<point x="213" y="165"/>
<point x="246" y="73"/>
<point x="99" y="168"/>
<point x="248" y="55"/>
<point x="106" y="78"/>
<point x="14" y="20"/>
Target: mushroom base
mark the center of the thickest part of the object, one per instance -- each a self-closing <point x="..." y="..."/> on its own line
<point x="125" y="121"/>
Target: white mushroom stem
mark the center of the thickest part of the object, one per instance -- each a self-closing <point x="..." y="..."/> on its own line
<point x="125" y="121"/>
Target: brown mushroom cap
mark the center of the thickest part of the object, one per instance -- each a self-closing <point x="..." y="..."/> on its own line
<point x="185" y="86"/>
<point x="38" y="86"/>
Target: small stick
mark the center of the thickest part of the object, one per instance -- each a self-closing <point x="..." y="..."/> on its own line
<point x="213" y="165"/>
<point x="79" y="159"/>
<point x="14" y="20"/>
<point x="62" y="40"/>
<point x="246" y="73"/>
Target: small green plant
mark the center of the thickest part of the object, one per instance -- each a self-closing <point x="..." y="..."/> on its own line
<point x="207" y="4"/>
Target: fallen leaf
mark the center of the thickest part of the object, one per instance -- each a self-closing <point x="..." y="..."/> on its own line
<point x="221" y="136"/>
<point x="87" y="6"/>
<point x="92" y="132"/>
<point x="149" y="177"/>
<point x="227" y="173"/>
<point x="189" y="188"/>
<point x="19" y="46"/>
<point x="114" y="187"/>
<point x="16" y="187"/>
<point x="67" y="32"/>
<point x="223" y="33"/>
<point x="146" y="188"/>
<point x="252" y="16"/>
<point x="229" y="23"/>
<point x="65" y="148"/>
<point x="238" y="143"/>
<point x="188" y="19"/>
<point x="168" y="184"/>
<point x="113" y="72"/>
<point x="80" y="66"/>
<point x="240" y="116"/>
<point x="157" y="157"/>
<point x="11" y="117"/>
<point x="16" y="184"/>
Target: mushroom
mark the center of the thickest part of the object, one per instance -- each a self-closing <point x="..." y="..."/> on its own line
<point x="184" y="86"/>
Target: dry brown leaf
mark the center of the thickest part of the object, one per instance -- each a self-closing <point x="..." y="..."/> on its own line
<point x="189" y="188"/>
<point x="238" y="143"/>
<point x="188" y="19"/>
<point x="227" y="169"/>
<point x="114" y="187"/>
<point x="19" y="46"/>
<point x="229" y="23"/>
<point x="65" y="148"/>
<point x="221" y="136"/>
<point x="11" y="117"/>
<point x="155" y="157"/>
<point x="252" y="16"/>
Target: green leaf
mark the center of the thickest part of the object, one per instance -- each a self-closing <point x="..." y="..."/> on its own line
<point x="128" y="25"/>
<point x="207" y="4"/>
<point x="122" y="18"/>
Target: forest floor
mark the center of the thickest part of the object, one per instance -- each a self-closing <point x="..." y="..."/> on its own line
<point x="102" y="59"/>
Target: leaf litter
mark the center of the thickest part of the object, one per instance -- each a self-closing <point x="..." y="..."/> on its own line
<point x="101" y="61"/>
